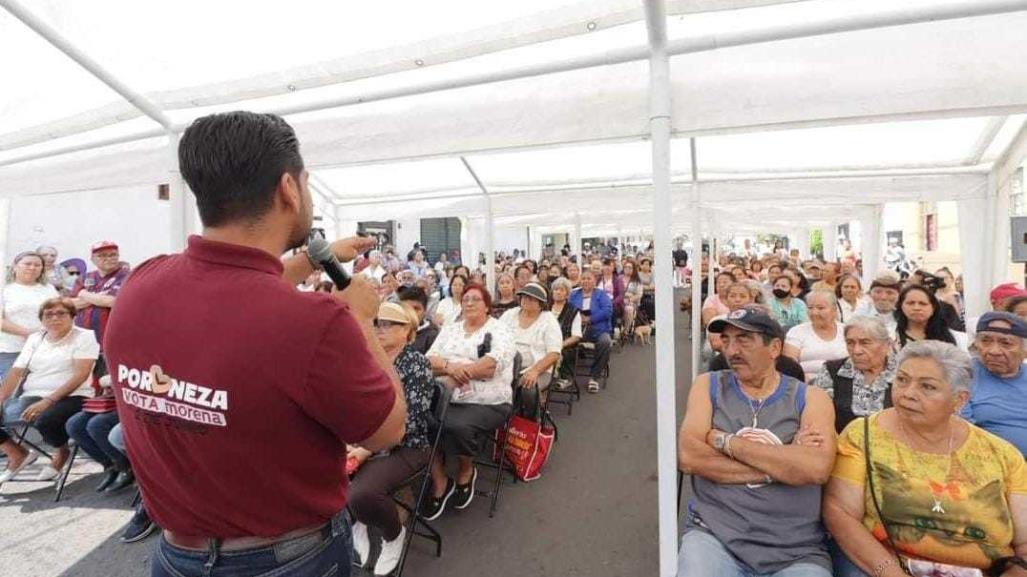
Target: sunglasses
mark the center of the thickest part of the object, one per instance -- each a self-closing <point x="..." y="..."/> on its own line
<point x="384" y="324"/>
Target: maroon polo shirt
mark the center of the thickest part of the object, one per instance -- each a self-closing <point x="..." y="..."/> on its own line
<point x="264" y="387"/>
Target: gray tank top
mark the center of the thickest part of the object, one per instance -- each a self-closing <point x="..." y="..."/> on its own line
<point x="770" y="527"/>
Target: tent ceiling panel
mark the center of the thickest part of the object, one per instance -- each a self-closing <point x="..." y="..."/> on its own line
<point x="340" y="43"/>
<point x="941" y="68"/>
<point x="889" y="145"/>
<point x="573" y="107"/>
<point x="964" y="61"/>
<point x="139" y="162"/>
<point x="435" y="176"/>
<point x="41" y="83"/>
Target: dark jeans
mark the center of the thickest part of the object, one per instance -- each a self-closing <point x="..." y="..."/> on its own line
<point x="90" y="431"/>
<point x="566" y="370"/>
<point x="601" y="357"/>
<point x="370" y="489"/>
<point x="465" y="422"/>
<point x="321" y="554"/>
<point x="50" y="423"/>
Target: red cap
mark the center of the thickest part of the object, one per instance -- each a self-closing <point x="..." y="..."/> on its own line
<point x="102" y="245"/>
<point x="1005" y="291"/>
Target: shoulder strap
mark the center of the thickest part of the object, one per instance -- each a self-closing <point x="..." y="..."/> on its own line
<point x="873" y="492"/>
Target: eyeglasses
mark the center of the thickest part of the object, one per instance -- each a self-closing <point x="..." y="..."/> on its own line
<point x="384" y="324"/>
<point x="73" y="273"/>
<point x="472" y="299"/>
<point x="56" y="314"/>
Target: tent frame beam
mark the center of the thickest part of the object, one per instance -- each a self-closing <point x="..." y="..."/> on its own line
<point x="895" y="17"/>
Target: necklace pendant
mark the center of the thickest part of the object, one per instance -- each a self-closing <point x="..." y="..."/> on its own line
<point x="937" y="507"/>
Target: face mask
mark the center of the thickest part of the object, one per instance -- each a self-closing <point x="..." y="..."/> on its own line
<point x="781" y="293"/>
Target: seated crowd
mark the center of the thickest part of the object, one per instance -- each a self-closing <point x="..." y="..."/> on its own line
<point x="438" y="323"/>
<point x="896" y="449"/>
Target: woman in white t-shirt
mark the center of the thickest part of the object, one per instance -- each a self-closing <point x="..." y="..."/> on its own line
<point x="819" y="340"/>
<point x="449" y="309"/>
<point x="21" y="299"/>
<point x="56" y="364"/>
<point x="537" y="336"/>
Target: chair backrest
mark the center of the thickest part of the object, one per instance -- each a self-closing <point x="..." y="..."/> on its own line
<point x="518" y="365"/>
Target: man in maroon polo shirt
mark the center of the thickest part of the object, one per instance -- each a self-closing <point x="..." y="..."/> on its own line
<point x="94" y="294"/>
<point x="237" y="392"/>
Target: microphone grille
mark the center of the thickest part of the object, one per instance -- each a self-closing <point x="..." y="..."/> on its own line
<point x="319" y="249"/>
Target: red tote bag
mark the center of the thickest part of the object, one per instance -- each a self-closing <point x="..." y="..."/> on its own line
<point x="528" y="446"/>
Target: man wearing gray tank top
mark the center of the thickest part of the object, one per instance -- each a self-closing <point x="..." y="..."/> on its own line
<point x="758" y="445"/>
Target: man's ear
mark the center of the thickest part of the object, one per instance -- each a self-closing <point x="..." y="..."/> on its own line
<point x="288" y="192"/>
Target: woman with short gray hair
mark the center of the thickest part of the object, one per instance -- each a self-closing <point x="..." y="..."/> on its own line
<point x="860" y="384"/>
<point x="917" y="490"/>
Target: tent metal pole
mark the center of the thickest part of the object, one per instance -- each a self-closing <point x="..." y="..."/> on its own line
<point x="666" y="413"/>
<point x="895" y="17"/>
<point x="61" y="43"/>
<point x="578" y="247"/>
<point x="490" y="241"/>
<point x="697" y="237"/>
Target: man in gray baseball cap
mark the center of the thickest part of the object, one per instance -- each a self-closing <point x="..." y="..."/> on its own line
<point x="758" y="445"/>
<point x="998" y="392"/>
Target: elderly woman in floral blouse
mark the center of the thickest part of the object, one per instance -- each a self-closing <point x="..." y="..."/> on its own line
<point x="860" y="383"/>
<point x="380" y="474"/>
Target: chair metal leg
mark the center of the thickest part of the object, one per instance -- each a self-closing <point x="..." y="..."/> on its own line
<point x="65" y="473"/>
<point x="21" y="439"/>
<point x="501" y="467"/>
<point x="137" y="499"/>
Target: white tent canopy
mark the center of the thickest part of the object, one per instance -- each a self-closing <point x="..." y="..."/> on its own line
<point x="555" y="114"/>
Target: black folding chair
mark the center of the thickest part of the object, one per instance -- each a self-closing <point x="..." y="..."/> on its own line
<point x="440" y="406"/>
<point x="20" y="429"/>
<point x="499" y="462"/>
<point x="569" y="395"/>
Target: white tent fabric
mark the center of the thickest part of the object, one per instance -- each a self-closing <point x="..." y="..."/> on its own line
<point x="539" y="113"/>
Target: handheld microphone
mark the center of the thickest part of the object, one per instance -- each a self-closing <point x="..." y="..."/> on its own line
<point x="320" y="252"/>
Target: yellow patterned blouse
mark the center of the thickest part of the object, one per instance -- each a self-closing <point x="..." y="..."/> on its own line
<point x="948" y="510"/>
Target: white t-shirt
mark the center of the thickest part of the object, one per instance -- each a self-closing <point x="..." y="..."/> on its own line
<point x="21" y="306"/>
<point x="50" y="365"/>
<point x="449" y="310"/>
<point x="535" y="342"/>
<point x="454" y="345"/>
<point x="813" y="350"/>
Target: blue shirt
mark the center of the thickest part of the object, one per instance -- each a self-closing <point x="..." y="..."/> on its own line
<point x="999" y="405"/>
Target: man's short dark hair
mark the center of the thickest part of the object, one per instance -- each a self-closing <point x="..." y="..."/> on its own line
<point x="413" y="293"/>
<point x="233" y="162"/>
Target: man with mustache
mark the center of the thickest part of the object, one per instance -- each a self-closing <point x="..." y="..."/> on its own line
<point x="758" y="445"/>
<point x="998" y="399"/>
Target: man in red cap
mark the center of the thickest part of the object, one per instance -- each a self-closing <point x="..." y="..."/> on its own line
<point x="1001" y="294"/>
<point x="94" y="293"/>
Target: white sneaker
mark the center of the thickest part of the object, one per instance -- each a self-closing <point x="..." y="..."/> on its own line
<point x="48" y="473"/>
<point x="388" y="559"/>
<point x="361" y="544"/>
<point x="9" y="474"/>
